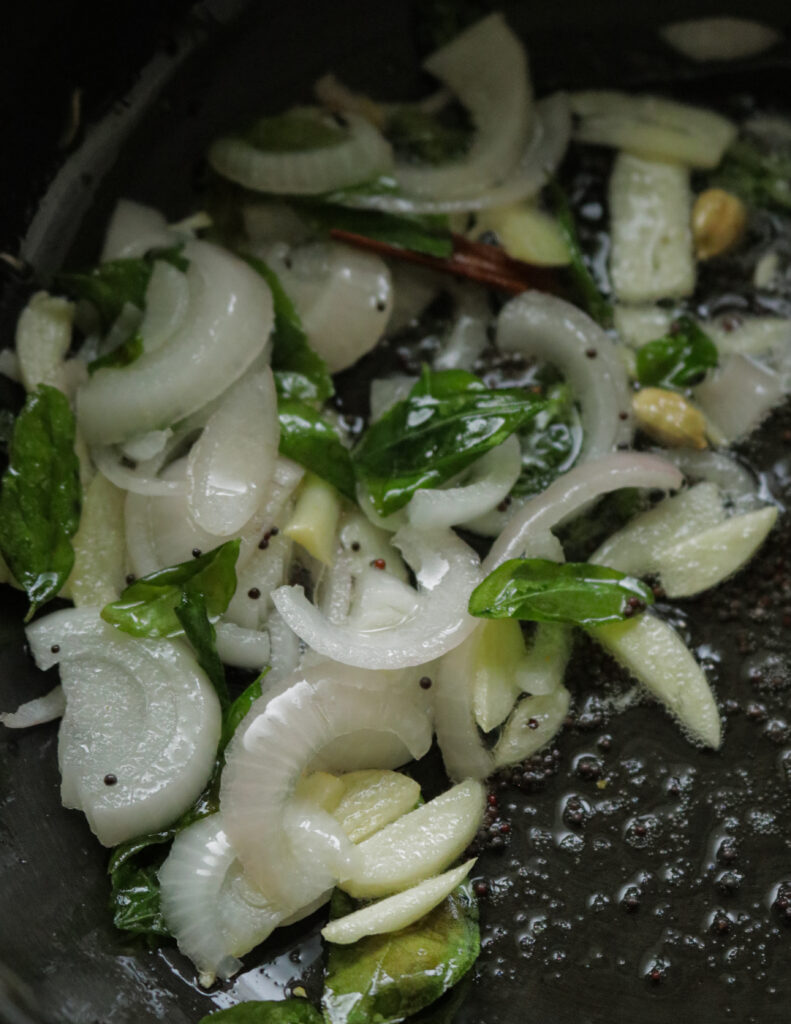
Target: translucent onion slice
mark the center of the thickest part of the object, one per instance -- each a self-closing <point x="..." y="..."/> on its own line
<point x="260" y="574"/>
<point x="167" y="304"/>
<point x="554" y="331"/>
<point x="209" y="907"/>
<point x="738" y="396"/>
<point x="418" y="845"/>
<point x="232" y="462"/>
<point x="37" y="711"/>
<point x="227" y="326"/>
<point x="486" y="67"/>
<point x="361" y="156"/>
<point x="138" y="711"/>
<point x="572" y="491"/>
<point x="707" y="558"/>
<point x="488" y="481"/>
<point x="111" y="464"/>
<point x="242" y="648"/>
<point x="468" y="336"/>
<point x="43" y="337"/>
<point x="719" y="38"/>
<point x="343" y="296"/>
<point x="651" y="127"/>
<point x="372" y="799"/>
<point x="634" y="549"/>
<point x="133" y="230"/>
<point x="266" y="758"/>
<point x="737" y="484"/>
<point x="396" y="912"/>
<point x="446" y="570"/>
<point x="534" y="722"/>
<point x="659" y="659"/>
<point x="543" y="153"/>
<point x="98" y="574"/>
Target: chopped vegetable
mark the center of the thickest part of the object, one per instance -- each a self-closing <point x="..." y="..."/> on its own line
<point x="680" y="359"/>
<point x="309" y="439"/>
<point x="254" y="1011"/>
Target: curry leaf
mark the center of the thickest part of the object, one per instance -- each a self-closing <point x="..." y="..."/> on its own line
<point x="299" y="371"/>
<point x="193" y="616"/>
<point x="135" y="901"/>
<point x="238" y="709"/>
<point x="551" y="442"/>
<point x="446" y="422"/>
<point x="389" y="977"/>
<point x="428" y="234"/>
<point x="122" y="355"/>
<point x="430" y="138"/>
<point x="537" y="590"/>
<point x="294" y="131"/>
<point x="307" y="438"/>
<point x="586" y="288"/>
<point x="287" y="1011"/>
<point x="41" y="495"/>
<point x="678" y="360"/>
<point x="148" y="606"/>
<point x="760" y="177"/>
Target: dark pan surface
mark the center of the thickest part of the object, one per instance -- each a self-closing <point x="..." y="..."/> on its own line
<point x="631" y="876"/>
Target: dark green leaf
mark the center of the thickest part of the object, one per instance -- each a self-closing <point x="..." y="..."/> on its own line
<point x="761" y="177"/>
<point x="550" y="444"/>
<point x="386" y="978"/>
<point x="135" y="903"/>
<point x="426" y="234"/>
<point x="429" y="138"/>
<point x="588" y="294"/>
<point x="289" y="1011"/>
<point x="41" y="495"/>
<point x="442" y="427"/>
<point x="294" y="132"/>
<point x="148" y="606"/>
<point x="537" y="590"/>
<point x="299" y="371"/>
<point x="311" y="441"/>
<point x="191" y="613"/>
<point x="238" y="709"/>
<point x="678" y="360"/>
<point x="122" y="355"/>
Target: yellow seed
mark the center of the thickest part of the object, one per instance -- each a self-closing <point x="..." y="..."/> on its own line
<point x="668" y="418"/>
<point x="719" y="219"/>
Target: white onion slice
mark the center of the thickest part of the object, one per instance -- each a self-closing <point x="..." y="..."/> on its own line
<point x="573" y="491"/>
<point x="468" y="336"/>
<point x="361" y="156"/>
<point x="486" y="67"/>
<point x="720" y="38"/>
<point x="232" y="462"/>
<point x="110" y="463"/>
<point x="137" y="710"/>
<point x="36" y="711"/>
<point x="166" y="305"/>
<point x="556" y="332"/>
<point x="446" y="570"/>
<point x="343" y="297"/>
<point x="735" y="481"/>
<point x="227" y="326"/>
<point x="533" y="723"/>
<point x="259" y="575"/>
<point x="544" y="151"/>
<point x="738" y="395"/>
<point x="396" y="912"/>
<point x="204" y="901"/>
<point x="133" y="230"/>
<point x="266" y="758"/>
<point x="488" y="481"/>
<point x="418" y="845"/>
<point x="243" y="648"/>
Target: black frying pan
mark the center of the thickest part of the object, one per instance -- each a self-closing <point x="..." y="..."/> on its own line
<point x="654" y="898"/>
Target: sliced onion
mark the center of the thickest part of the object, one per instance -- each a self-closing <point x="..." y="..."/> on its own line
<point x="361" y="156"/>
<point x="242" y="648"/>
<point x="43" y="337"/>
<point x="736" y="482"/>
<point x="285" y="649"/>
<point x="166" y="305"/>
<point x="738" y="395"/>
<point x="99" y="569"/>
<point x="446" y="569"/>
<point x="110" y="463"/>
<point x="148" y="448"/>
<point x="227" y="326"/>
<point x="396" y="912"/>
<point x="573" y="491"/>
<point x="266" y="759"/>
<point x="720" y="38"/>
<point x="343" y="296"/>
<point x="468" y="336"/>
<point x="533" y="723"/>
<point x="261" y="573"/>
<point x="137" y="710"/>
<point x="488" y="481"/>
<point x="9" y="365"/>
<point x="36" y="711"/>
<point x="486" y="67"/>
<point x="203" y="901"/>
<point x="418" y="845"/>
<point x="554" y="331"/>
<point x="232" y="462"/>
<point x="133" y="230"/>
<point x="386" y="391"/>
<point x="543" y="153"/>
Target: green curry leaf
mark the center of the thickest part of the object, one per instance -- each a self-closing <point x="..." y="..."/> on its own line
<point x="288" y="1011"/>
<point x="309" y="439"/>
<point x="678" y="360"/>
